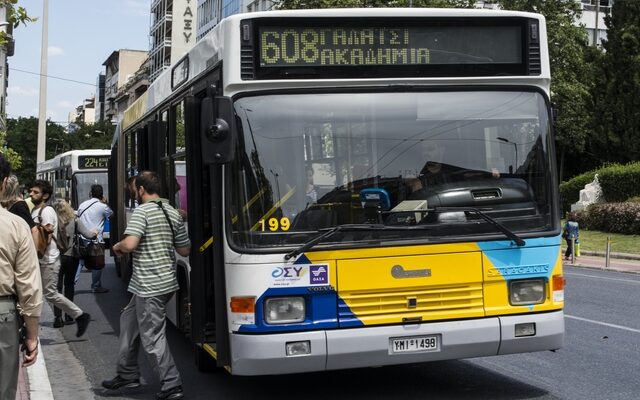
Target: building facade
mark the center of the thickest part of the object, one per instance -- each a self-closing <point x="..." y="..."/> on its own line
<point x="593" y="13"/>
<point x="121" y="66"/>
<point x="172" y="32"/>
<point x="210" y="12"/>
<point x="99" y="98"/>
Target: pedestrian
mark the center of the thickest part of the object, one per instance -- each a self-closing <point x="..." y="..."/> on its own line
<point x="93" y="213"/>
<point x="20" y="285"/>
<point x="571" y="234"/>
<point x="68" y="225"/>
<point x="154" y="230"/>
<point x="13" y="202"/>
<point x="43" y="214"/>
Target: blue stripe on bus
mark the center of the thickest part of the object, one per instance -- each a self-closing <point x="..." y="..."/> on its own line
<point x="536" y="259"/>
<point x="320" y="311"/>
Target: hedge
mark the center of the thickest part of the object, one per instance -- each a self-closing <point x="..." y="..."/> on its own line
<point x="618" y="182"/>
<point x="612" y="217"/>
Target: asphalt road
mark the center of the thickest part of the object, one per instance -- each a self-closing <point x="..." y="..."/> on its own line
<point x="600" y="359"/>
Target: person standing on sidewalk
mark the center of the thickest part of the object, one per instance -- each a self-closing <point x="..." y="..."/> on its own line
<point x="571" y="233"/>
<point x="153" y="232"/>
<point x="20" y="284"/>
<point x="92" y="213"/>
<point x="43" y="214"/>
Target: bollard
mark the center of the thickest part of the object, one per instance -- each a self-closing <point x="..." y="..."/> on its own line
<point x="607" y="254"/>
<point x="573" y="250"/>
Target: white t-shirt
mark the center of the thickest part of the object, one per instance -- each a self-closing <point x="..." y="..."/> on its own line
<point x="49" y="216"/>
<point x="92" y="214"/>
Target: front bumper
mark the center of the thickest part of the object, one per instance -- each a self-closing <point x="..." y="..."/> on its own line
<point x="368" y="347"/>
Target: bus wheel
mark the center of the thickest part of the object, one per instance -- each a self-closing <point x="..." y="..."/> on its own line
<point x="204" y="361"/>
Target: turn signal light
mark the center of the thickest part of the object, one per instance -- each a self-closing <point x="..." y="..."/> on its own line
<point x="243" y="304"/>
<point x="558" y="282"/>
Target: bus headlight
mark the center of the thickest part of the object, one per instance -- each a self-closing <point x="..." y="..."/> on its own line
<point x="284" y="310"/>
<point x="526" y="292"/>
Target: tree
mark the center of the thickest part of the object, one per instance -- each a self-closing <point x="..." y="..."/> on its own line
<point x="22" y="136"/>
<point x="618" y="116"/>
<point x="15" y="16"/>
<point x="91" y="136"/>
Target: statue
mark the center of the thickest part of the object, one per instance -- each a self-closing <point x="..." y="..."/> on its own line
<point x="592" y="193"/>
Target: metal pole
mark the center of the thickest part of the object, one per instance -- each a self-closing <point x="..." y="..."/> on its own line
<point x="607" y="257"/>
<point x="573" y="250"/>
<point x="595" y="31"/>
<point x="42" y="112"/>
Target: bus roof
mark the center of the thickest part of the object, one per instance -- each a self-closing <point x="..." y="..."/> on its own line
<point x="55" y="162"/>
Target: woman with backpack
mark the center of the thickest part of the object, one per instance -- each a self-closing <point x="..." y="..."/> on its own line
<point x="68" y="226"/>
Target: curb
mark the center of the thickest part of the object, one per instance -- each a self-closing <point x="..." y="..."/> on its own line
<point x="39" y="386"/>
<point x="621" y="256"/>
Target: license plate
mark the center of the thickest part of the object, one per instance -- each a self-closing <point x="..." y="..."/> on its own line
<point x="414" y="344"/>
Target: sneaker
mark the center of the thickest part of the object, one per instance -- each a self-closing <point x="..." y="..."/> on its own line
<point x="68" y="320"/>
<point x="83" y="322"/>
<point x="58" y="322"/>
<point x="100" y="290"/>
<point x="170" y="394"/>
<point x="119" y="382"/>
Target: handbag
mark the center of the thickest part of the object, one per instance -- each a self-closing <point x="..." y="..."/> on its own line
<point x="91" y="251"/>
<point x="93" y="255"/>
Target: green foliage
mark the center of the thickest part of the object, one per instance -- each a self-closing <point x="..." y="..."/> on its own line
<point x="22" y="136"/>
<point x="91" y="136"/>
<point x="15" y="16"/>
<point x="618" y="119"/>
<point x="620" y="182"/>
<point x="612" y="217"/>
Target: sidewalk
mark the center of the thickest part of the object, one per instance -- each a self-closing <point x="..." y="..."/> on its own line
<point x="621" y="262"/>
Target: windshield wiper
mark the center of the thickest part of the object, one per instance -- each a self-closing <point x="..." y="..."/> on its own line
<point x="487" y="218"/>
<point x="329" y="232"/>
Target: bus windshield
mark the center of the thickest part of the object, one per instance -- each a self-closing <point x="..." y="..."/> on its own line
<point x="83" y="182"/>
<point x="308" y="162"/>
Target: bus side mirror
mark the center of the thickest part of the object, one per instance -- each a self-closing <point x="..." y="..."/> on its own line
<point x="217" y="133"/>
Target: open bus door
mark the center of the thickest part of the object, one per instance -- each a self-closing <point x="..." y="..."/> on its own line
<point x="209" y="328"/>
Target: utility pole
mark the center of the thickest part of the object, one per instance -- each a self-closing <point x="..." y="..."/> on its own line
<point x="42" y="112"/>
<point x="595" y="31"/>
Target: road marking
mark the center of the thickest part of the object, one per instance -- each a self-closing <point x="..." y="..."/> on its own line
<point x="626" y="328"/>
<point x="603" y="277"/>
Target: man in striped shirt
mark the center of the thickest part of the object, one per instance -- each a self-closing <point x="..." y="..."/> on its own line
<point x="153" y="232"/>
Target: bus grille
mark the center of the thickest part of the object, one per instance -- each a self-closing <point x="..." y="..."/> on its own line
<point x="412" y="304"/>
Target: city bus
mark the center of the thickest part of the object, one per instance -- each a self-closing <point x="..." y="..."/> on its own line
<point x="296" y="145"/>
<point x="72" y="173"/>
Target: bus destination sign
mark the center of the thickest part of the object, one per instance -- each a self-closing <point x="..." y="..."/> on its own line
<point x="93" y="162"/>
<point x="340" y="46"/>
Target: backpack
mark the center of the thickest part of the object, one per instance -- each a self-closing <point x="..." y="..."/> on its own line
<point x="42" y="235"/>
<point x="64" y="242"/>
